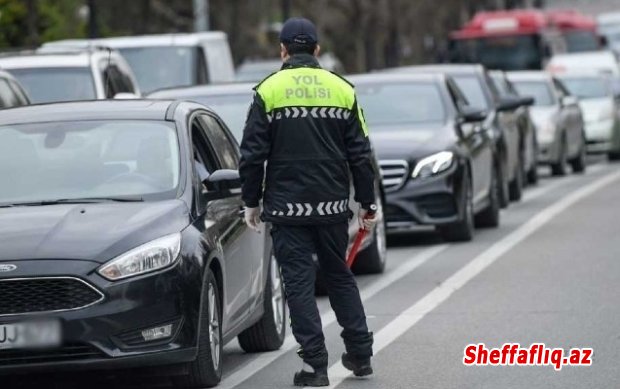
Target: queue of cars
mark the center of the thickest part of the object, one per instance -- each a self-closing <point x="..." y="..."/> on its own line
<point x="136" y="202"/>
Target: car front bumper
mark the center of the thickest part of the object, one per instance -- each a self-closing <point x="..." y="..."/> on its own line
<point x="423" y="202"/>
<point x="108" y="333"/>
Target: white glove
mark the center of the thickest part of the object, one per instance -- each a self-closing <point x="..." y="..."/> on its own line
<point x="252" y="218"/>
<point x="367" y="224"/>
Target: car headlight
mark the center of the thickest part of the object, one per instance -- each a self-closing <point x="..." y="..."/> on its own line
<point x="154" y="255"/>
<point x="433" y="164"/>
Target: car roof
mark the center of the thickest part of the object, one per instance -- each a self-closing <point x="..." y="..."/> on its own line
<point x="451" y="69"/>
<point x="87" y="110"/>
<point x="204" y="90"/>
<point x="396" y="77"/>
<point x="46" y="60"/>
<point x="528" y="75"/>
<point x="177" y="39"/>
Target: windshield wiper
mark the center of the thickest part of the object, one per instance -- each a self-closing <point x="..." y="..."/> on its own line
<point x="84" y="200"/>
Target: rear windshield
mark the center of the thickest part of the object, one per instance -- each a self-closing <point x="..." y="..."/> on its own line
<point x="391" y="103"/>
<point x="47" y="85"/>
<point x="539" y="90"/>
<point x="162" y="67"/>
<point x="586" y="87"/>
<point x="516" y="52"/>
<point x="577" y="41"/>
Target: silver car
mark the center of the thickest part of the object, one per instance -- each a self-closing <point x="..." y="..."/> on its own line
<point x="601" y="110"/>
<point x="558" y="120"/>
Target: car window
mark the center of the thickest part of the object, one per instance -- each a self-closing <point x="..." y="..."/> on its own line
<point x="232" y="108"/>
<point x="204" y="161"/>
<point x="115" y="81"/>
<point x="459" y="100"/>
<point x="225" y="150"/>
<point x="472" y="88"/>
<point x="8" y="97"/>
<point x="19" y="92"/>
<point x="202" y="73"/>
<point x="539" y="90"/>
<point x="587" y="87"/>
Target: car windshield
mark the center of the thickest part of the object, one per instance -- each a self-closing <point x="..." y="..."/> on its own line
<point x="586" y="87"/>
<point x="401" y="103"/>
<point x="579" y="40"/>
<point x="233" y="109"/>
<point x="257" y="71"/>
<point x="539" y="90"/>
<point x="46" y="85"/>
<point x="472" y="89"/>
<point x="162" y="67"/>
<point x="88" y="159"/>
<point x="503" y="52"/>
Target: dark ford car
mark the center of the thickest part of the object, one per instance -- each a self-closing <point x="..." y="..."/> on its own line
<point x="501" y="121"/>
<point x="122" y="243"/>
<point x="232" y="102"/>
<point x="438" y="166"/>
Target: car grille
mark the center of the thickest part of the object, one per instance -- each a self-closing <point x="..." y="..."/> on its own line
<point x="393" y="173"/>
<point x="65" y="353"/>
<point x="47" y="294"/>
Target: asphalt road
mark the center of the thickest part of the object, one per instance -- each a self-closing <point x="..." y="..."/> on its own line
<point x="550" y="274"/>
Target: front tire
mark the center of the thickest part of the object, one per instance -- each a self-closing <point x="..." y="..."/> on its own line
<point x="489" y="217"/>
<point x="462" y="231"/>
<point x="206" y="370"/>
<point x="269" y="332"/>
<point x="515" y="190"/>
<point x="578" y="164"/>
<point x="558" y="169"/>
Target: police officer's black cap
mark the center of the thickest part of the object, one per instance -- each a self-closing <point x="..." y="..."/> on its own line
<point x="298" y="30"/>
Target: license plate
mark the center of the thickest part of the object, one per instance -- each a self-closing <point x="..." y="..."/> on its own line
<point x="36" y="334"/>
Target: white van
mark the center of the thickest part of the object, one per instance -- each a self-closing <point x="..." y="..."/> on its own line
<point x="169" y="60"/>
<point x="603" y="61"/>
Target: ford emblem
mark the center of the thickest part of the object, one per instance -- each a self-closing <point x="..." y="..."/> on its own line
<point x="7" y="268"/>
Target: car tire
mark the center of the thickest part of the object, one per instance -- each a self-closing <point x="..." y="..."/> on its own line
<point x="558" y="168"/>
<point x="489" y="217"/>
<point x="532" y="175"/>
<point x="462" y="231"/>
<point x="372" y="259"/>
<point x="206" y="369"/>
<point x="269" y="332"/>
<point x="578" y="164"/>
<point x="613" y="156"/>
<point x="515" y="189"/>
<point x="504" y="198"/>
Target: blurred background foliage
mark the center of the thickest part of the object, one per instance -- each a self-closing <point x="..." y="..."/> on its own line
<point x="364" y="34"/>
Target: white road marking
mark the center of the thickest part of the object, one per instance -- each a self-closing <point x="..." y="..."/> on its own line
<point x="416" y="312"/>
<point x="387" y="279"/>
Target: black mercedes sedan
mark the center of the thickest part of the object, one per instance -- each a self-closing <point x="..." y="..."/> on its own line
<point x="501" y="121"/>
<point x="122" y="242"/>
<point x="438" y="164"/>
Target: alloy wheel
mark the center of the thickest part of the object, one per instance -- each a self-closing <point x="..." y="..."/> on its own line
<point x="277" y="295"/>
<point x="214" y="327"/>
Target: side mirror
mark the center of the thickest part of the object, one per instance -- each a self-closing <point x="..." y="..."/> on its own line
<point x="527" y="101"/>
<point x="472" y="115"/>
<point x="567" y="101"/>
<point x="509" y="104"/>
<point x="223" y="179"/>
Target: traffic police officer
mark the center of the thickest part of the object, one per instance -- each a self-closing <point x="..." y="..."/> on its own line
<point x="306" y="124"/>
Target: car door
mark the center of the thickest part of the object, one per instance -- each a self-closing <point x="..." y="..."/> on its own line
<point x="478" y="144"/>
<point x="239" y="243"/>
<point x="508" y="123"/>
<point x="572" y="119"/>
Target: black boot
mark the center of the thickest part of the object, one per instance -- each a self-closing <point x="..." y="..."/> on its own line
<point x="359" y="366"/>
<point x="316" y="378"/>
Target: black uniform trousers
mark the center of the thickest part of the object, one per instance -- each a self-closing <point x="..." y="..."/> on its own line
<point x="294" y="247"/>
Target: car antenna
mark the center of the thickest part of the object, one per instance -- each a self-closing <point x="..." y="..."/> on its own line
<point x="106" y="75"/>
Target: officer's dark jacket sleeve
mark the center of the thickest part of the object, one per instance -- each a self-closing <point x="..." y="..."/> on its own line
<point x="255" y="148"/>
<point x="359" y="156"/>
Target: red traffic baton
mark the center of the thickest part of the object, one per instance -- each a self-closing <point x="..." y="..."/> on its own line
<point x="359" y="237"/>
